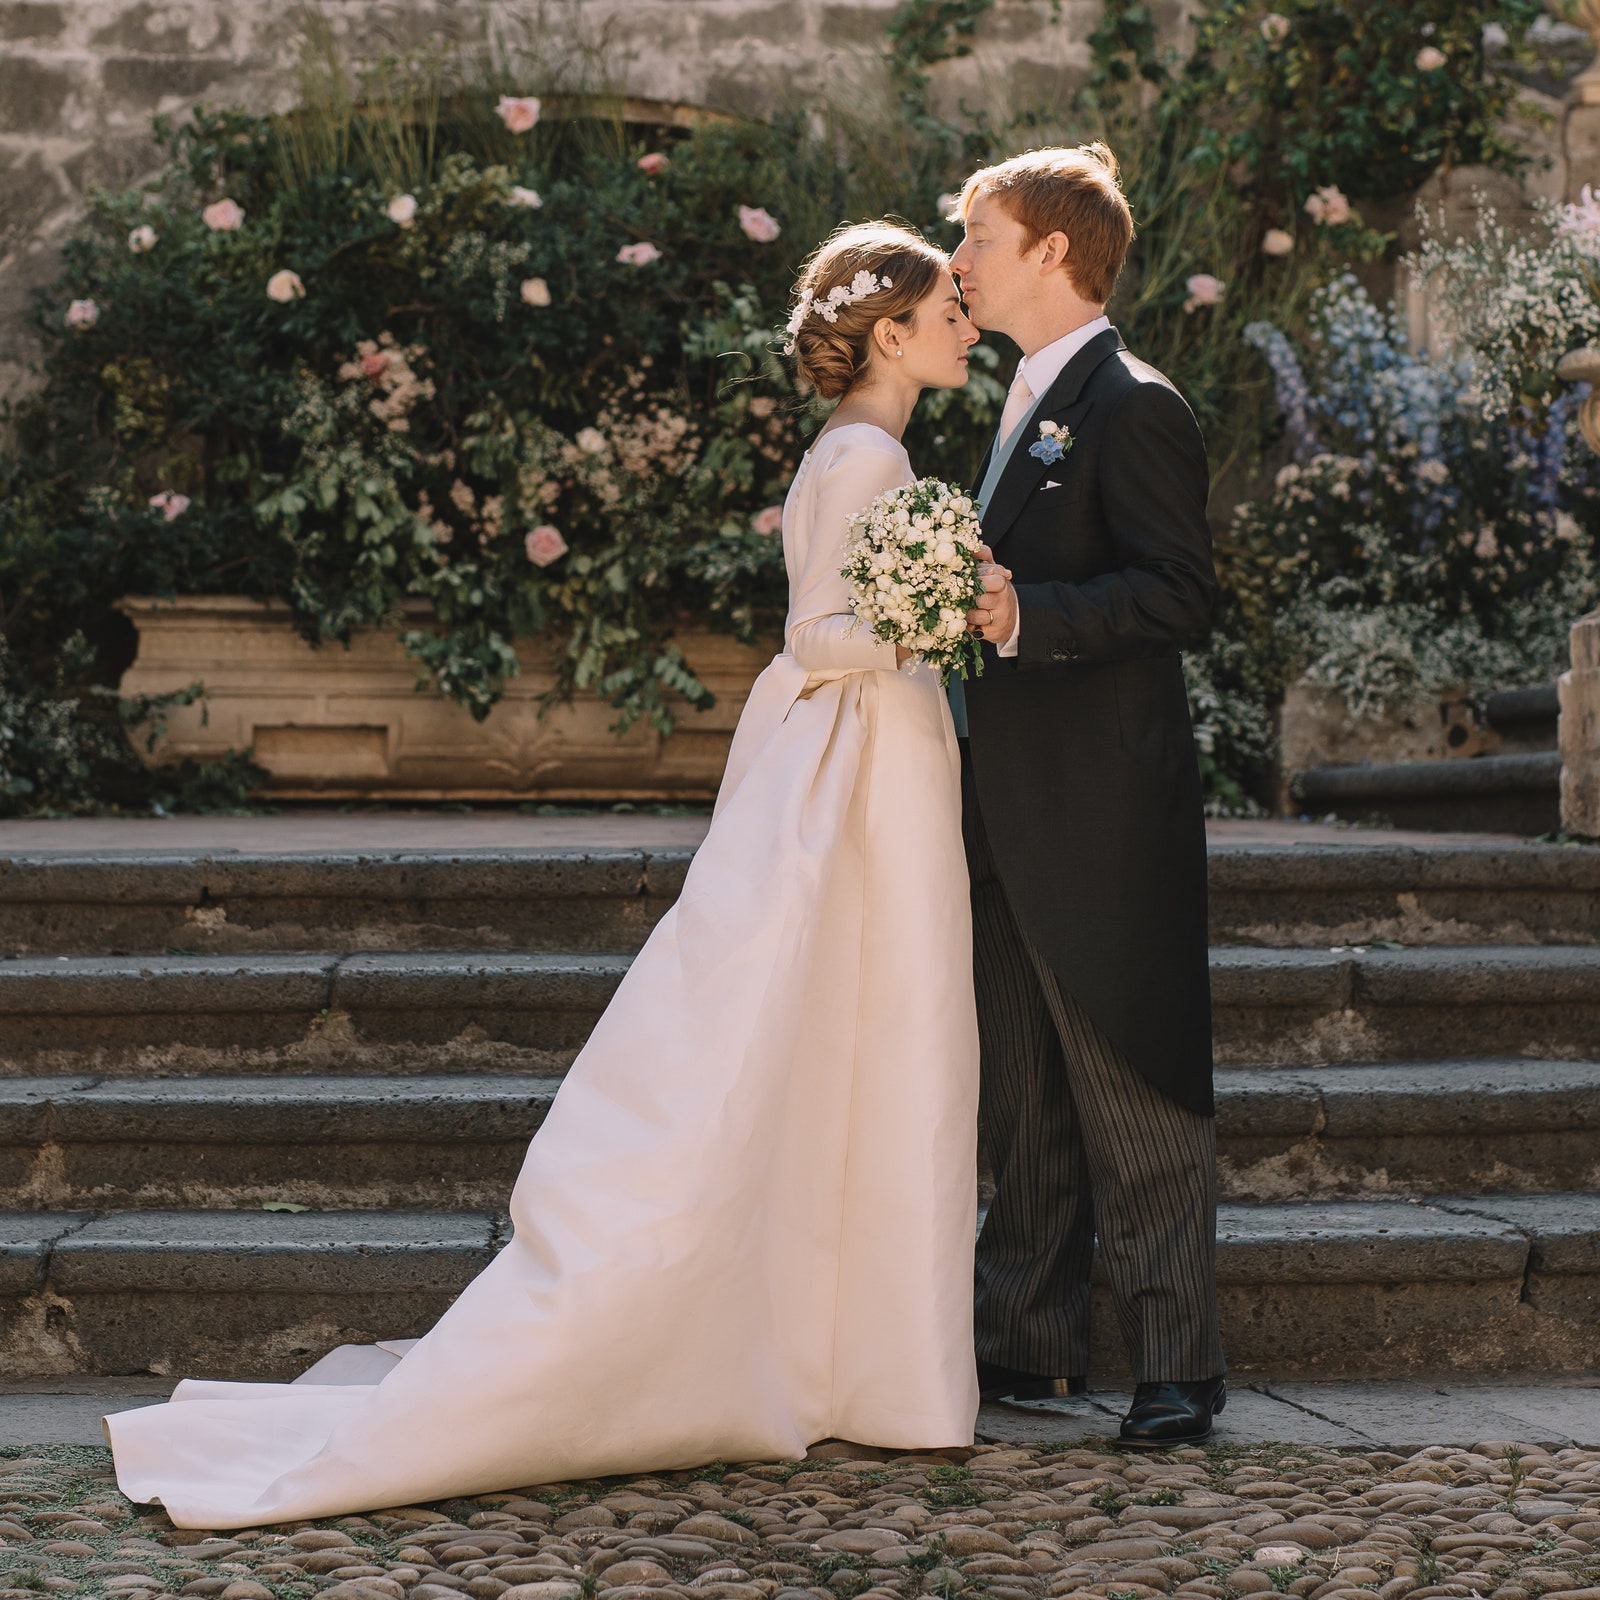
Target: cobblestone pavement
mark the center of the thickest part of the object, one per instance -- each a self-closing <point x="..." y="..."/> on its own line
<point x="1499" y="1521"/>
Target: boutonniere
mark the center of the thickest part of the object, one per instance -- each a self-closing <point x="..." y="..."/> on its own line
<point x="1055" y="439"/>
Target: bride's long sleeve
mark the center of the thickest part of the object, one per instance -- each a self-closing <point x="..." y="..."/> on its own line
<point x="822" y="631"/>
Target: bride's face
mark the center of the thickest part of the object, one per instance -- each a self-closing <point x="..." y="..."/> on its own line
<point x="934" y="348"/>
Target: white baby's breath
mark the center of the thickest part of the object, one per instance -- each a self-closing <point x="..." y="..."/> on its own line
<point x="912" y="562"/>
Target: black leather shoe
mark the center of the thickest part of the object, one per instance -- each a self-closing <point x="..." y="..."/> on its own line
<point x="1006" y="1383"/>
<point x="1166" y="1416"/>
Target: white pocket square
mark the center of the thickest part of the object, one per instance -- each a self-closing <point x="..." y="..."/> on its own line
<point x="1049" y="483"/>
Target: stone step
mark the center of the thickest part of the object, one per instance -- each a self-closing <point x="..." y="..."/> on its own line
<point x="1525" y="719"/>
<point x="358" y="1143"/>
<point x="1409" y="1128"/>
<point x="1313" y="895"/>
<point x="369" y="1013"/>
<point x="549" y="898"/>
<point x="475" y="1013"/>
<point x="557" y="899"/>
<point x="373" y="1143"/>
<point x="1380" y="1288"/>
<point x="224" y="1293"/>
<point x="1292" y="1007"/>
<point x="1486" y="794"/>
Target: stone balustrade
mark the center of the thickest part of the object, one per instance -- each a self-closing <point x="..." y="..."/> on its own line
<point x="1580" y="732"/>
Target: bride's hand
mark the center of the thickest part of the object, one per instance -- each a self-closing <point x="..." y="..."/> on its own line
<point x="902" y="655"/>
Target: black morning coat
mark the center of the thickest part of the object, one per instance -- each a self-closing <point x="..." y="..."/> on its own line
<point x="1081" y="746"/>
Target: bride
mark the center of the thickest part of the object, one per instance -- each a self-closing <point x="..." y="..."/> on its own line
<point x="747" y="1224"/>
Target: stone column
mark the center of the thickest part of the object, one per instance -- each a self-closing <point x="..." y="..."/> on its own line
<point x="1579" y="689"/>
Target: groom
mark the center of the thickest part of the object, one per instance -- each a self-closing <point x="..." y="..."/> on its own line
<point x="1084" y="830"/>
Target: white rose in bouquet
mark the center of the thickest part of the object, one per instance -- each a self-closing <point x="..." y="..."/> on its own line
<point x="912" y="562"/>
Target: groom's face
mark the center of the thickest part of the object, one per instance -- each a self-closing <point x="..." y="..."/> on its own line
<point x="998" y="276"/>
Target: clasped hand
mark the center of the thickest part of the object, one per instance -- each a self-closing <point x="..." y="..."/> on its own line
<point x="994" y="616"/>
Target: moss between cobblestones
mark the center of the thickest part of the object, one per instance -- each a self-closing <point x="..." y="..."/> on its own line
<point x="1502" y="1522"/>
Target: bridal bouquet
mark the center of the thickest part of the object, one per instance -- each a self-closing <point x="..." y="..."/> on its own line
<point x="912" y="562"/>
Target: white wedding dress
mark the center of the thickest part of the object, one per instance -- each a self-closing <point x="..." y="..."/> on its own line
<point x="747" y="1223"/>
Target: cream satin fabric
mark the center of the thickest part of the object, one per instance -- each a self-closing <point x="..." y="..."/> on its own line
<point x="747" y="1223"/>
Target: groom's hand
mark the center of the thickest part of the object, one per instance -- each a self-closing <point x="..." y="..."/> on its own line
<point x="995" y="616"/>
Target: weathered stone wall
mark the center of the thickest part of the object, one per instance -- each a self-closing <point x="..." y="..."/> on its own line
<point x="80" y="79"/>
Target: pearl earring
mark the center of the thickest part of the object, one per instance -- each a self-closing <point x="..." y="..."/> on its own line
<point x="899" y="352"/>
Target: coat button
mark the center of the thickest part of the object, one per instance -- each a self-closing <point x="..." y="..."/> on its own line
<point x="1059" y="655"/>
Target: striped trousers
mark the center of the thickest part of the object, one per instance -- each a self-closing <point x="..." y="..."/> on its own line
<point x="1081" y="1146"/>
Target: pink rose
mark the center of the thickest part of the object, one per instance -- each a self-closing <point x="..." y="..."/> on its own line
<point x="1274" y="27"/>
<point x="1204" y="290"/>
<point x="82" y="314"/>
<point x="525" y="197"/>
<point x="223" y="216"/>
<point x="284" y="286"/>
<point x="654" y="164"/>
<point x="1328" y="207"/>
<point x="374" y="366"/>
<point x="142" y="239"/>
<point x="758" y="224"/>
<point x="518" y="114"/>
<point x="535" y="292"/>
<point x="769" y="521"/>
<point x="1430" y="58"/>
<point x="169" y="503"/>
<point x="403" y="209"/>
<point x="1277" y="242"/>
<point x="544" y="545"/>
<point x="638" y="255"/>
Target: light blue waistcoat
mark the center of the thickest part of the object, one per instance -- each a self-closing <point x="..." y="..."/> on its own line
<point x="956" y="690"/>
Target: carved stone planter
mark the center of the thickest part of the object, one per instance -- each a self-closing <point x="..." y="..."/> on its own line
<point x="332" y="723"/>
<point x="1317" y="730"/>
<point x="1583" y="366"/>
<point x="1579" y="689"/>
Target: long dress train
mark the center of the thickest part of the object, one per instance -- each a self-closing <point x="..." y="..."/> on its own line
<point x="747" y="1223"/>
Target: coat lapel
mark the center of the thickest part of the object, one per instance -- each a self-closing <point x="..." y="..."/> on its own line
<point x="1063" y="403"/>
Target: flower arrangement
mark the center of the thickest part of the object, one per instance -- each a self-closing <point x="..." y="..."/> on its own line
<point x="1054" y="441"/>
<point x="912" y="562"/>
<point x="1437" y="525"/>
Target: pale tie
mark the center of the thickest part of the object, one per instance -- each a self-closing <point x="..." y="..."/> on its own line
<point x="1018" y="400"/>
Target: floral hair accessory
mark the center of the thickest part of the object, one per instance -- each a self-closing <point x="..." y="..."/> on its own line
<point x="1055" y="439"/>
<point x="827" y="307"/>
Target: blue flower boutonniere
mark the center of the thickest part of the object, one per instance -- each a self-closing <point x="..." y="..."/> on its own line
<point x="1053" y="443"/>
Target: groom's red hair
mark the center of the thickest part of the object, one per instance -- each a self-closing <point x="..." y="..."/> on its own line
<point x="1072" y="191"/>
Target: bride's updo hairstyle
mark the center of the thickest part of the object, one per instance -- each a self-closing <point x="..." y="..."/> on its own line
<point x="832" y="354"/>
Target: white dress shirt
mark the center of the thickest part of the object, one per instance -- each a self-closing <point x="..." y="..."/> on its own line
<point x="1041" y="369"/>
